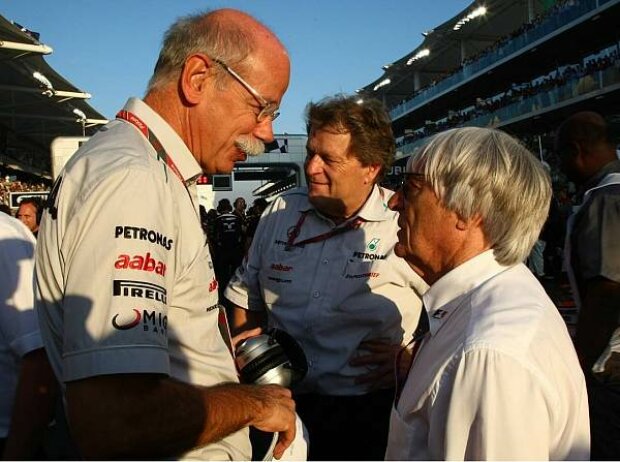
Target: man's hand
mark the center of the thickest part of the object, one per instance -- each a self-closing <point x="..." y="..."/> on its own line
<point x="240" y="337"/>
<point x="382" y="355"/>
<point x="277" y="414"/>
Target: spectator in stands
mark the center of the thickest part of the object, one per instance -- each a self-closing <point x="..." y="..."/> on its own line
<point x="28" y="387"/>
<point x="128" y="307"/>
<point x="322" y="267"/>
<point x="29" y="213"/>
<point x="494" y="374"/>
<point x="228" y="244"/>
<point x="593" y="259"/>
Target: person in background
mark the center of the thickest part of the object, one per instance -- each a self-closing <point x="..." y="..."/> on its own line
<point x="29" y="213"/>
<point x="127" y="297"/>
<point x="28" y="388"/>
<point x="494" y="374"/>
<point x="588" y="157"/>
<point x="229" y="238"/>
<point x="322" y="268"/>
<point x="253" y="217"/>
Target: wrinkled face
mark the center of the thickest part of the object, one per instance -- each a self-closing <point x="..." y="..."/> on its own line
<point x="338" y="184"/>
<point x="426" y="231"/>
<point x="27" y="214"/>
<point x="230" y="114"/>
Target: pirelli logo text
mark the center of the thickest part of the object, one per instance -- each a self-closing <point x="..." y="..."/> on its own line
<point x="139" y="289"/>
<point x="143" y="234"/>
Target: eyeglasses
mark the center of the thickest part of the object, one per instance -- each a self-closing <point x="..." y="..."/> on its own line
<point x="418" y="179"/>
<point x="268" y="110"/>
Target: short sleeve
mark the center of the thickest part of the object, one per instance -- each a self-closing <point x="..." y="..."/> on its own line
<point x="18" y="322"/>
<point x="598" y="231"/>
<point x="119" y="253"/>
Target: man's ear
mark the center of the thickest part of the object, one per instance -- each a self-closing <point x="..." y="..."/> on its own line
<point x="196" y="78"/>
<point x="371" y="173"/>
<point x="462" y="224"/>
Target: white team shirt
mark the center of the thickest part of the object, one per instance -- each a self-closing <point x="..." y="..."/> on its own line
<point x="333" y="294"/>
<point x="123" y="268"/>
<point x="19" y="329"/>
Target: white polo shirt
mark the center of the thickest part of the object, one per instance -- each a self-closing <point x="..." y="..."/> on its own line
<point x="498" y="377"/>
<point x="333" y="294"/>
<point x="123" y="268"/>
<point x="19" y="329"/>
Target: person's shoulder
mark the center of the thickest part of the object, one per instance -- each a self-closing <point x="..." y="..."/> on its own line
<point x="507" y="310"/>
<point x="115" y="146"/>
<point x="14" y="231"/>
<point x="294" y="198"/>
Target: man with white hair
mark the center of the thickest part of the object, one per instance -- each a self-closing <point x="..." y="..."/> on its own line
<point x="128" y="299"/>
<point x="495" y="375"/>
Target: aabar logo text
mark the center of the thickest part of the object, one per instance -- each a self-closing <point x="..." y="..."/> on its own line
<point x="281" y="267"/>
<point x="140" y="263"/>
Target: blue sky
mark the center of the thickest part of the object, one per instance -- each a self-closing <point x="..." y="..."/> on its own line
<point x="108" y="48"/>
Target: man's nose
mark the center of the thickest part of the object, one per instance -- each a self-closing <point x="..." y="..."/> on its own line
<point x="264" y="130"/>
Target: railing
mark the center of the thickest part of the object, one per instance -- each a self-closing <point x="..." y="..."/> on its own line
<point x="573" y="89"/>
<point x="549" y="24"/>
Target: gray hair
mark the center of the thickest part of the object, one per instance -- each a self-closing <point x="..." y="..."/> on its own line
<point x="199" y="33"/>
<point x="485" y="171"/>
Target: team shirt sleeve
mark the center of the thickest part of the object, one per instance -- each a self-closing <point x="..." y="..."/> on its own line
<point x="599" y="252"/>
<point x="18" y="322"/>
<point x="119" y="253"/>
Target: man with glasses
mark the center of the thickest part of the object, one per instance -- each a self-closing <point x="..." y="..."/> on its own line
<point x="322" y="267"/>
<point x="128" y="299"/>
<point x="495" y="375"/>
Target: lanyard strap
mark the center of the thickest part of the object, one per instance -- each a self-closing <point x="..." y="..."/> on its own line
<point x="354" y="224"/>
<point x="150" y="136"/>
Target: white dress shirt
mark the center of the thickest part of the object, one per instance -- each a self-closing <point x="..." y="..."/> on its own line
<point x="497" y="376"/>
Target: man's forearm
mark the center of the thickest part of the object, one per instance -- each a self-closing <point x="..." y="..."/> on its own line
<point x="35" y="395"/>
<point x="598" y="319"/>
<point x="150" y="416"/>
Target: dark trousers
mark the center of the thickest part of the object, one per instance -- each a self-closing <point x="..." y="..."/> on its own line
<point x="604" y="401"/>
<point x="346" y="427"/>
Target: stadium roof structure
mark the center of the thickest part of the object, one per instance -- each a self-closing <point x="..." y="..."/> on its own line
<point x="446" y="46"/>
<point x="37" y="104"/>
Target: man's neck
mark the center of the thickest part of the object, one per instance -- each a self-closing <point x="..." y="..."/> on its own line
<point x="351" y="211"/>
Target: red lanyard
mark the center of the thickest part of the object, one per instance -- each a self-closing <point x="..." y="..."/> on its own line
<point x="353" y="224"/>
<point x="150" y="136"/>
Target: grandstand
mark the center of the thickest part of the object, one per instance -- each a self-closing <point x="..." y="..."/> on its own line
<point x="519" y="65"/>
<point x="37" y="105"/>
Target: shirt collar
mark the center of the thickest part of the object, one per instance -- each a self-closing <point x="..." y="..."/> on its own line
<point x="445" y="296"/>
<point x="171" y="141"/>
<point x="611" y="167"/>
<point x="374" y="209"/>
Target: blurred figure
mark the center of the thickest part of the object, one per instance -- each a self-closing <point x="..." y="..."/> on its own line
<point x="228" y="242"/>
<point x="29" y="213"/>
<point x="28" y="387"/>
<point x="588" y="157"/>
<point x="253" y="217"/>
<point x="494" y="374"/>
<point x="322" y="267"/>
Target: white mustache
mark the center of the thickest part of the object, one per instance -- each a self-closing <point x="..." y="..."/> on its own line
<point x="250" y="145"/>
